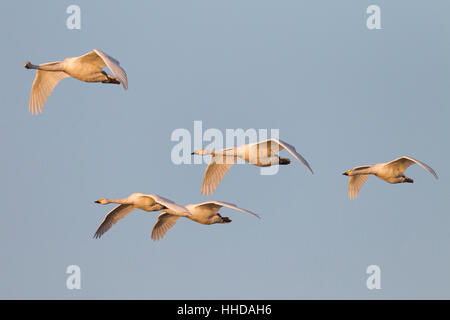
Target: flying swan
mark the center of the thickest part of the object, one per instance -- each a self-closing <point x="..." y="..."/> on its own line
<point x="146" y="202"/>
<point x="261" y="154"/>
<point x="391" y="172"/>
<point x="87" y="67"/>
<point x="204" y="213"/>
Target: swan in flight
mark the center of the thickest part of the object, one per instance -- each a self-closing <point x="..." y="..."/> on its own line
<point x="391" y="172"/>
<point x="87" y="67"/>
<point x="146" y="202"/>
<point x="204" y="213"/>
<point x="261" y="154"/>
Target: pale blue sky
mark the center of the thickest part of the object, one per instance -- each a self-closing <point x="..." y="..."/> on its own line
<point x="342" y="94"/>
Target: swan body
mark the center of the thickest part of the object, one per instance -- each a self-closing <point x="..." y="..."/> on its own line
<point x="87" y="68"/>
<point x="146" y="202"/>
<point x="261" y="154"/>
<point x="205" y="213"/>
<point x="391" y="172"/>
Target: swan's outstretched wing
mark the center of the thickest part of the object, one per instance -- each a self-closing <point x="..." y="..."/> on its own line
<point x="99" y="59"/>
<point x="402" y="163"/>
<point x="43" y="85"/>
<point x="115" y="67"/>
<point x="163" y="224"/>
<point x="278" y="145"/>
<point x="112" y="217"/>
<point x="214" y="174"/>
<point x="171" y="206"/>
<point x="355" y="183"/>
<point x="216" y="205"/>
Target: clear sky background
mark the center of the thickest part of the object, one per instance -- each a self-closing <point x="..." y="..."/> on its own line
<point x="343" y="95"/>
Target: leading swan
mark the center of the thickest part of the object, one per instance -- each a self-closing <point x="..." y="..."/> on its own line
<point x="87" y="67"/>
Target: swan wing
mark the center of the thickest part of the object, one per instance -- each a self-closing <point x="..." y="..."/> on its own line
<point x="93" y="59"/>
<point x="112" y="217"/>
<point x="403" y="163"/>
<point x="163" y="224"/>
<point x="214" y="206"/>
<point x="277" y="145"/>
<point x="214" y="174"/>
<point x="114" y="66"/>
<point x="43" y="85"/>
<point x="174" y="208"/>
<point x="355" y="183"/>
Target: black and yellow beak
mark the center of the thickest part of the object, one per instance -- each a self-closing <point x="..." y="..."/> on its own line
<point x="346" y="173"/>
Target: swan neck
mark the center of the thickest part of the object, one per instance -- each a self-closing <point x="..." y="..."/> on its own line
<point x="364" y="171"/>
<point x="52" y="66"/>
<point x="208" y="152"/>
<point x="119" y="201"/>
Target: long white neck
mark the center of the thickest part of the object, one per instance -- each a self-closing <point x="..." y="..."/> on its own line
<point x="368" y="170"/>
<point x="207" y="152"/>
<point x="51" y="66"/>
<point x="119" y="201"/>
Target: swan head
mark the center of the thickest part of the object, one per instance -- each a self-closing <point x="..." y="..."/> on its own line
<point x="102" y="201"/>
<point x="27" y="65"/>
<point x="201" y="152"/>
<point x="347" y="173"/>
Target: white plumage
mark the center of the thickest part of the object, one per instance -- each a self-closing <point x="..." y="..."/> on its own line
<point x="261" y="154"/>
<point x="146" y="202"/>
<point x="204" y="213"/>
<point x="391" y="172"/>
<point x="87" y="67"/>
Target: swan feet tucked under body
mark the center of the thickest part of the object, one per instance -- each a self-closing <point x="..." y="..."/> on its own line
<point x="391" y="172"/>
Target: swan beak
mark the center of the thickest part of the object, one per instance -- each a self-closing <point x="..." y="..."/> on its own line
<point x="192" y="153"/>
<point x="97" y="201"/>
<point x="346" y="173"/>
<point x="27" y="65"/>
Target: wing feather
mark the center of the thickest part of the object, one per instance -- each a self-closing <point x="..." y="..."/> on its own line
<point x="403" y="163"/>
<point x="112" y="217"/>
<point x="214" y="174"/>
<point x="216" y="205"/>
<point x="172" y="207"/>
<point x="115" y="67"/>
<point x="43" y="85"/>
<point x="163" y="224"/>
<point x="280" y="145"/>
<point x="355" y="183"/>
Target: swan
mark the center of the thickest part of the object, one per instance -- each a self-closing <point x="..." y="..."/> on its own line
<point x="204" y="213"/>
<point x="391" y="172"/>
<point x="261" y="154"/>
<point x="146" y="202"/>
<point x="87" y="67"/>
